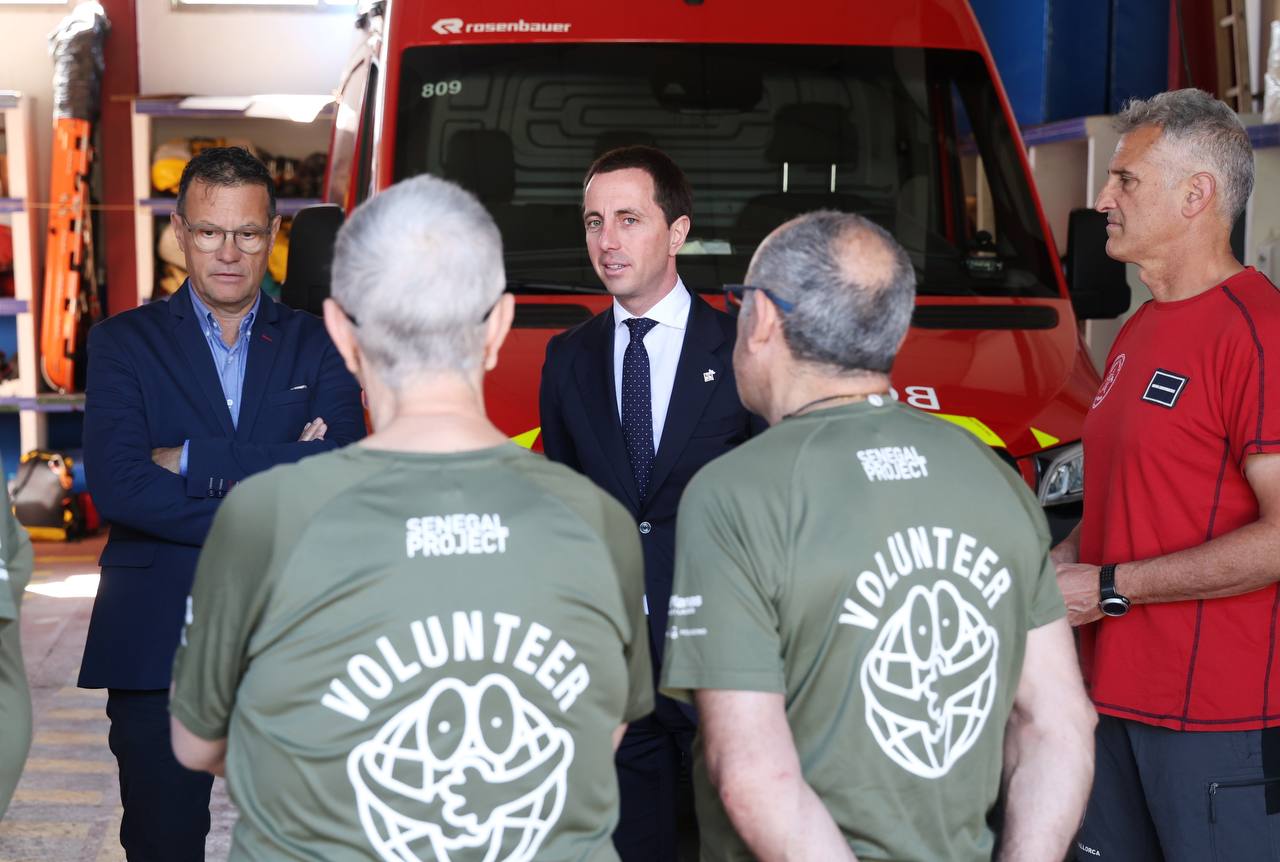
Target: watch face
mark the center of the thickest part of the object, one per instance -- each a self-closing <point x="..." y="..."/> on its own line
<point x="1114" y="606"/>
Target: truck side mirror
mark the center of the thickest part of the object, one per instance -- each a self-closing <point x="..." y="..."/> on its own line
<point x="1097" y="283"/>
<point x="311" y="240"/>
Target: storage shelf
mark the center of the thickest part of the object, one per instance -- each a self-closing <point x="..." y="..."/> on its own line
<point x="169" y="108"/>
<point x="73" y="403"/>
<point x="1074" y="129"/>
<point x="284" y="206"/>
<point x="21" y="395"/>
<point x="1262" y="136"/>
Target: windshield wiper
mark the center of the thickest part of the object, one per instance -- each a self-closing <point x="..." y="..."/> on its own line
<point x="529" y="286"/>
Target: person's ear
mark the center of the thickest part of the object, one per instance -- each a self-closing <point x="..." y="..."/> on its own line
<point x="1201" y="191"/>
<point x="343" y="334"/>
<point x="678" y="233"/>
<point x="273" y="231"/>
<point x="179" y="231"/>
<point x="764" y="322"/>
<point x="496" y="329"/>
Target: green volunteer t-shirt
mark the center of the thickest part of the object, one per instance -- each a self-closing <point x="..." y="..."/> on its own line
<point x="418" y="656"/>
<point x="15" y="697"/>
<point x="880" y="569"/>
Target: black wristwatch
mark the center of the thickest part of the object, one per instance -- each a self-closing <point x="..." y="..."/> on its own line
<point x="1112" y="603"/>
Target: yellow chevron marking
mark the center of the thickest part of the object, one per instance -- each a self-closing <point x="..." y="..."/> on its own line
<point x="1045" y="440"/>
<point x="528" y="438"/>
<point x="974" y="426"/>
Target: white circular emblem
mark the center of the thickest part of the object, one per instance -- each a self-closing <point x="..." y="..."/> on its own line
<point x="1110" y="381"/>
<point x="930" y="679"/>
<point x="473" y="770"/>
<point x="875" y="400"/>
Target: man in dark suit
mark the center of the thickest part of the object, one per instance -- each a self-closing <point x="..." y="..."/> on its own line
<point x="638" y="398"/>
<point x="185" y="398"/>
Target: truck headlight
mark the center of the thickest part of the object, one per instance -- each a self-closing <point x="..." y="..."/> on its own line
<point x="1062" y="480"/>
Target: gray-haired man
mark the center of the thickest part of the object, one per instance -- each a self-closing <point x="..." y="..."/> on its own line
<point x="386" y="649"/>
<point x="865" y="645"/>
<point x="1173" y="572"/>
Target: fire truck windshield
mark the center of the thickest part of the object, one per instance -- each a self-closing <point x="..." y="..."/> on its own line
<point x="912" y="138"/>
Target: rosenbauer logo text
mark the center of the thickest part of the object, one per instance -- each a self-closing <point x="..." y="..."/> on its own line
<point x="456" y="26"/>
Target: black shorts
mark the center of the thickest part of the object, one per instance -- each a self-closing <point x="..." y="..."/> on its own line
<point x="1181" y="796"/>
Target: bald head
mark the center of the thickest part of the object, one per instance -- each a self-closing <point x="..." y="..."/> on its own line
<point x="852" y="286"/>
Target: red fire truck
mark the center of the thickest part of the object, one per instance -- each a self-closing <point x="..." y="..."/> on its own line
<point x="891" y="110"/>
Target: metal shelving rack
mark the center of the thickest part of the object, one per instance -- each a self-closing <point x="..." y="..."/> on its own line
<point x="147" y="112"/>
<point x="23" y="394"/>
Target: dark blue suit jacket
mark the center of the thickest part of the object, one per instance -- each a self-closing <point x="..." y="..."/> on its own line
<point x="705" y="419"/>
<point x="151" y="384"/>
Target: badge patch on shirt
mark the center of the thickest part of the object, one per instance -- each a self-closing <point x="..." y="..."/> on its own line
<point x="1164" y="388"/>
<point x="1110" y="380"/>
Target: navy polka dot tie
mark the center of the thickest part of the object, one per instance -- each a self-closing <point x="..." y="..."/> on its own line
<point x="637" y="403"/>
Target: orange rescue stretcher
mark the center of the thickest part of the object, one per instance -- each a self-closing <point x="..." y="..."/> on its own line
<point x="70" y="281"/>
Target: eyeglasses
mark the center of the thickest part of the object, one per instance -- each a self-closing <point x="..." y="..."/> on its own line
<point x="356" y="323"/>
<point x="210" y="238"/>
<point x="734" y="294"/>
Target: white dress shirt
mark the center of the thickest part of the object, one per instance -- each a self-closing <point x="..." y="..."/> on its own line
<point x="663" y="344"/>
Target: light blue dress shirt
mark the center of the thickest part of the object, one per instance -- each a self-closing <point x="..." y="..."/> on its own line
<point x="230" y="362"/>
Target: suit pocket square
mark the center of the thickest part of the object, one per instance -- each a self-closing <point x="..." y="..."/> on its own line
<point x="297" y="395"/>
<point x="299" y="386"/>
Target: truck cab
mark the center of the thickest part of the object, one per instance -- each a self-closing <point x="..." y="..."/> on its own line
<point x="893" y="111"/>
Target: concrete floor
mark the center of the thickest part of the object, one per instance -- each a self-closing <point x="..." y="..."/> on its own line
<point x="67" y="806"/>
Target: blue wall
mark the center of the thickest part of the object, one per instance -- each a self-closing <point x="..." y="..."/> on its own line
<point x="1073" y="58"/>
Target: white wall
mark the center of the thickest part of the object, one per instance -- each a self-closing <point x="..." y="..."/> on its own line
<point x="231" y="52"/>
<point x="203" y="52"/>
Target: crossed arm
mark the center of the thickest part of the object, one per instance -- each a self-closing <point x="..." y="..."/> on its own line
<point x="170" y="457"/>
<point x="137" y="485"/>
<point x="127" y="486"/>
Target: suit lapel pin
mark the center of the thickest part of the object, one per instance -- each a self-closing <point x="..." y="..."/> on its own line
<point x="708" y="375"/>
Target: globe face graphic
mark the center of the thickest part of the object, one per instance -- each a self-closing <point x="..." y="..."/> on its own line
<point x="465" y="772"/>
<point x="930" y="679"/>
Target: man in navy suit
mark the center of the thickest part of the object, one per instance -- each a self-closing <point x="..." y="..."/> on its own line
<point x="638" y="398"/>
<point x="184" y="399"/>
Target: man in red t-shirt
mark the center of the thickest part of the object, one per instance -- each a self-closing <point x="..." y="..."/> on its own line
<point x="1172" y="574"/>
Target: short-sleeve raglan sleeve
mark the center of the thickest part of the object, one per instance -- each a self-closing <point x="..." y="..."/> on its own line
<point x="1045" y="597"/>
<point x="1249" y="372"/>
<point x="15" y="560"/>
<point x="223" y="609"/>
<point x="1043" y="602"/>
<point x="723" y="622"/>
<point x="628" y="562"/>
<point x="1046" y="603"/>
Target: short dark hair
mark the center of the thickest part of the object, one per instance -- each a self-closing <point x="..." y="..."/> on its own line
<point x="670" y="186"/>
<point x="227" y="166"/>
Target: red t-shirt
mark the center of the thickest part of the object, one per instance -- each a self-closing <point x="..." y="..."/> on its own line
<point x="1192" y="388"/>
